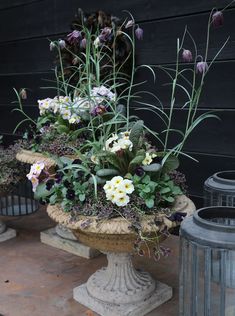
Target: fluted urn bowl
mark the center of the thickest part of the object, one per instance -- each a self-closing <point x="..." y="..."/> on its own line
<point x="119" y="289"/>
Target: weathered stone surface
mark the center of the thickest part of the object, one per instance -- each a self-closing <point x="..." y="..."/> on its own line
<point x="121" y="290"/>
<point x="51" y="238"/>
<point x="64" y="232"/>
<point x="161" y="295"/>
<point x="8" y="234"/>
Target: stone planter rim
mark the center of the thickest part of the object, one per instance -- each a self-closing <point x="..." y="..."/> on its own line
<point x="116" y="225"/>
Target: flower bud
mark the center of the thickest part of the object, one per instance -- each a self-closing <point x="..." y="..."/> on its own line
<point x="83" y="43"/>
<point x="217" y="19"/>
<point x="52" y="46"/>
<point x="139" y="33"/>
<point x="187" y="55"/>
<point x="202" y="67"/>
<point x="75" y="61"/>
<point x="23" y="94"/>
<point x="74" y="37"/>
<point x="62" y="44"/>
<point x="129" y="24"/>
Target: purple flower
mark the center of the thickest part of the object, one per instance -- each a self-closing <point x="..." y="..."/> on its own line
<point x="202" y="66"/>
<point x="187" y="55"/>
<point x="105" y="34"/>
<point x="83" y="43"/>
<point x="52" y="46"/>
<point x="23" y="94"/>
<point x="139" y="33"/>
<point x="217" y="19"/>
<point x="99" y="110"/>
<point x="62" y="44"/>
<point x="129" y="24"/>
<point x="139" y="171"/>
<point x="74" y="37"/>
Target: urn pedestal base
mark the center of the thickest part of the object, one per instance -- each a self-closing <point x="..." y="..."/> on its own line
<point x="5" y="232"/>
<point x="50" y="237"/>
<point x="121" y="290"/>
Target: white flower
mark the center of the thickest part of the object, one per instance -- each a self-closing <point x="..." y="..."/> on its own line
<point x="74" y="119"/>
<point x="128" y="185"/>
<point x="117" y="180"/>
<point x="97" y="42"/>
<point x="108" y="186"/>
<point x="125" y="144"/>
<point x="110" y="196"/>
<point x="147" y="160"/>
<point x="110" y="141"/>
<point x="95" y="159"/>
<point x="104" y="92"/>
<point x="34" y="180"/>
<point x="37" y="168"/>
<point x="125" y="135"/>
<point x="66" y="114"/>
<point x="44" y="105"/>
<point x="121" y="199"/>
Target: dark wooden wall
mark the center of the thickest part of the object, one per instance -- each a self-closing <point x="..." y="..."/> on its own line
<point x="25" y="59"/>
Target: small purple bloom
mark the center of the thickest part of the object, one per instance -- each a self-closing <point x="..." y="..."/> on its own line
<point x="217" y="19"/>
<point x="105" y="34"/>
<point x="139" y="171"/>
<point x="74" y="37"/>
<point x="52" y="46"/>
<point x="139" y="33"/>
<point x="62" y="44"/>
<point x="202" y="67"/>
<point x="187" y="55"/>
<point x="83" y="43"/>
<point x="177" y="216"/>
<point x="99" y="110"/>
<point x="129" y="24"/>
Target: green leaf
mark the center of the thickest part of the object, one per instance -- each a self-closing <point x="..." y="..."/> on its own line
<point x="107" y="172"/>
<point x="154" y="167"/>
<point x="149" y="203"/>
<point x="169" y="199"/>
<point x="62" y="129"/>
<point x="53" y="199"/>
<point x="170" y="164"/>
<point x="41" y="192"/>
<point x="136" y="132"/>
<point x="165" y="190"/>
<point x="82" y="197"/>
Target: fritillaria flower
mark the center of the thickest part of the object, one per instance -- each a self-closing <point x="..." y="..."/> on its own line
<point x="217" y="19"/>
<point x="187" y="55"/>
<point x="99" y="110"/>
<point x="62" y="44"/>
<point x="129" y="24"/>
<point x="74" y="37"/>
<point x="139" y="33"/>
<point x="75" y="61"/>
<point x="23" y="94"/>
<point x="201" y="67"/>
<point x="83" y="43"/>
<point x="105" y="34"/>
<point x="52" y="46"/>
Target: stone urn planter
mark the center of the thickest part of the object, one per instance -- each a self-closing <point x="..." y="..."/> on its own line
<point x="119" y="289"/>
<point x="61" y="236"/>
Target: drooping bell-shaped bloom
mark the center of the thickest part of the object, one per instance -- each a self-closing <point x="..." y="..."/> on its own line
<point x="52" y="46"/>
<point x="187" y="55"/>
<point x="139" y="33"/>
<point x="201" y="67"/>
<point x="23" y="94"/>
<point x="105" y="34"/>
<point x="83" y="43"/>
<point x="129" y="24"/>
<point x="99" y="110"/>
<point x="217" y="19"/>
<point x="62" y="44"/>
<point x="74" y="37"/>
<point x="75" y="61"/>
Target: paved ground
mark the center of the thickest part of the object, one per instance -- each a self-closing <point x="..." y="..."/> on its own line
<point x="37" y="280"/>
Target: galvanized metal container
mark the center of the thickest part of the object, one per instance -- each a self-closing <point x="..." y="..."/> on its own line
<point x="19" y="202"/>
<point x="219" y="189"/>
<point x="207" y="267"/>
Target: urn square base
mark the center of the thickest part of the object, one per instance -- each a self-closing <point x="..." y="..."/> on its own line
<point x="161" y="294"/>
<point x="8" y="234"/>
<point x="51" y="238"/>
